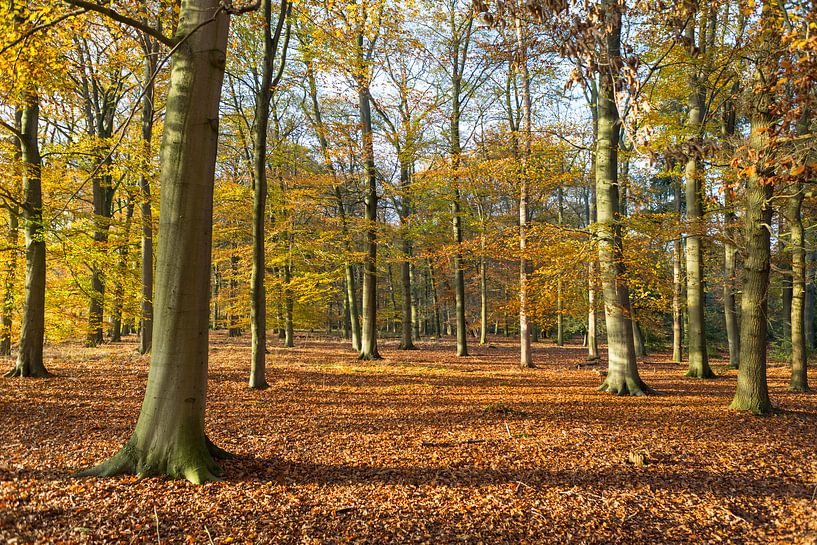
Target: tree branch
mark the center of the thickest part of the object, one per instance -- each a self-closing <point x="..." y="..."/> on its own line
<point x="124" y="19"/>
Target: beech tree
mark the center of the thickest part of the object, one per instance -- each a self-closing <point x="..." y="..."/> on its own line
<point x="169" y="438"/>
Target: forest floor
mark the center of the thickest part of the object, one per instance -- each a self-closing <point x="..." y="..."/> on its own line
<point x="422" y="447"/>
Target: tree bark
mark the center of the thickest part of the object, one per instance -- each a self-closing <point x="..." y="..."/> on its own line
<point x="694" y="178"/>
<point x="677" y="284"/>
<point x="258" y="292"/>
<point x="752" y="393"/>
<point x="12" y="239"/>
<point x="151" y="49"/>
<point x="622" y="371"/>
<point x="119" y="288"/>
<point x="368" y="348"/>
<point x="799" y="354"/>
<point x="32" y="334"/>
<point x="169" y="437"/>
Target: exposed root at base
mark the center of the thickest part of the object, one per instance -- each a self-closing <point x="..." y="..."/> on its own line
<point x="196" y="465"/>
<point x="21" y="372"/>
<point x="754" y="407"/>
<point x="705" y="373"/>
<point x="370" y="357"/>
<point x="627" y="387"/>
<point x="407" y="347"/>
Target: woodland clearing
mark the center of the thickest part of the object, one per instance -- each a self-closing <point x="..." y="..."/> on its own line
<point x="422" y="447"/>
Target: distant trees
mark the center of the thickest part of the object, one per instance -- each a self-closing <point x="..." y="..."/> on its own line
<point x="437" y="177"/>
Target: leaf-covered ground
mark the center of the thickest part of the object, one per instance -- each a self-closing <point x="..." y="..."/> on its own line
<point x="422" y="447"/>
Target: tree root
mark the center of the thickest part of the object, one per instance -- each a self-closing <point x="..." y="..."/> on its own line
<point x="626" y="386"/>
<point x="196" y="465"/>
<point x="702" y="373"/>
<point x="370" y="357"/>
<point x="407" y="347"/>
<point x="22" y="372"/>
<point x="746" y="404"/>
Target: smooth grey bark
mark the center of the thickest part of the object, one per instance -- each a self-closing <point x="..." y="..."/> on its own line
<point x="263" y="98"/>
<point x="811" y="274"/>
<point x="694" y="179"/>
<point x="677" y="284"/>
<point x="638" y="340"/>
<point x="622" y="371"/>
<point x="234" y="329"/>
<point x="407" y="306"/>
<point x="794" y="205"/>
<point x="9" y="279"/>
<point x="458" y="43"/>
<point x="32" y="334"/>
<point x="483" y="295"/>
<point x="12" y="240"/>
<point x="122" y="266"/>
<point x="560" y="329"/>
<point x="289" y="305"/>
<point x="169" y="437"/>
<point x="415" y="298"/>
<point x="799" y="359"/>
<point x="151" y="51"/>
<point x="592" y="314"/>
<point x="368" y="341"/>
<point x="525" y="356"/>
<point x="434" y="300"/>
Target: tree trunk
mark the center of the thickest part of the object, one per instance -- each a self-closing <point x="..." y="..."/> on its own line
<point x="258" y="292"/>
<point x="415" y="309"/>
<point x="677" y="285"/>
<point x="289" y="323"/>
<point x="730" y="250"/>
<point x="638" y="340"/>
<point x="9" y="279"/>
<point x="406" y="341"/>
<point x="752" y="393"/>
<point x="169" y="437"/>
<point x="483" y="297"/>
<point x="119" y="289"/>
<point x="560" y="328"/>
<point x="622" y="371"/>
<point x="811" y="288"/>
<point x="368" y="348"/>
<point x="103" y="192"/>
<point x="525" y="357"/>
<point x="592" y="327"/>
<point x="234" y="330"/>
<point x="30" y="355"/>
<point x="146" y="327"/>
<point x="799" y="354"/>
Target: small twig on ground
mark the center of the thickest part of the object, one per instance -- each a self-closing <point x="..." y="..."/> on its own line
<point x="156" y="516"/>
<point x="209" y="536"/>
<point x="452" y="443"/>
<point x="814" y="493"/>
<point x="508" y="430"/>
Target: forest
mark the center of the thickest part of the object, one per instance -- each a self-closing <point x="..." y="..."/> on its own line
<point x="408" y="271"/>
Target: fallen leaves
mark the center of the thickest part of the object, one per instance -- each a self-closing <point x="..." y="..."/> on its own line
<point x="420" y="448"/>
